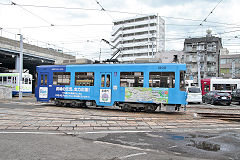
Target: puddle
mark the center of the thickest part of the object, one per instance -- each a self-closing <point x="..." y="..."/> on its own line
<point x="200" y="136"/>
<point x="207" y="146"/>
<point x="174" y="137"/>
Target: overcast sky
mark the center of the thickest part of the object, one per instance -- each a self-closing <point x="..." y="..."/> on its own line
<point x="80" y="26"/>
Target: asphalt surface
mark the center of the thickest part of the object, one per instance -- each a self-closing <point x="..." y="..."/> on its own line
<point x="31" y="130"/>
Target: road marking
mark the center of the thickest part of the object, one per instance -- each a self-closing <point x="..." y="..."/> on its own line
<point x="172" y="147"/>
<point x="220" y="129"/>
<point x="106" y="132"/>
<point x="43" y="133"/>
<point x="132" y="155"/>
<point x="124" y="146"/>
<point x="69" y="133"/>
<point x="120" y="132"/>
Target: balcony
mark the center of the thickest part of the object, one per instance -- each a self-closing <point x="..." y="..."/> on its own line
<point x="116" y="27"/>
<point x="144" y="36"/>
<point x="211" y="49"/>
<point x="212" y="70"/>
<point x="188" y="60"/>
<point x="211" y="59"/>
<point x="194" y="59"/>
<point x="192" y="70"/>
<point x="134" y="44"/>
<point x="143" y="50"/>
<point x="133" y="31"/>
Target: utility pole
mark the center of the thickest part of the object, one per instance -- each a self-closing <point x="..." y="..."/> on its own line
<point x="199" y="71"/>
<point x="1" y="31"/>
<point x="100" y="55"/>
<point x="233" y="69"/>
<point x="20" y="67"/>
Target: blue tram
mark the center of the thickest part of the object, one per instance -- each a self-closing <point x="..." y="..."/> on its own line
<point x="129" y="86"/>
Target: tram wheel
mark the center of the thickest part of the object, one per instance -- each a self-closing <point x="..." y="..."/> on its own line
<point x="58" y="103"/>
<point x="150" y="108"/>
<point x="73" y="104"/>
<point x="126" y="108"/>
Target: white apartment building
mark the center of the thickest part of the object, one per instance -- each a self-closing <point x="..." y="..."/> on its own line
<point x="138" y="37"/>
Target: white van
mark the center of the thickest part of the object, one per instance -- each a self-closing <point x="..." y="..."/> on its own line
<point x="194" y="94"/>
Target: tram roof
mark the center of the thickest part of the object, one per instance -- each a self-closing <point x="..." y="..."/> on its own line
<point x="107" y="65"/>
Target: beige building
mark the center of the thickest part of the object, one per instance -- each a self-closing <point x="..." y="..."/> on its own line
<point x="207" y="51"/>
<point x="170" y="57"/>
<point x="230" y="66"/>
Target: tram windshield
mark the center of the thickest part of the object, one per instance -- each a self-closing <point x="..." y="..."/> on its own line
<point x="182" y="81"/>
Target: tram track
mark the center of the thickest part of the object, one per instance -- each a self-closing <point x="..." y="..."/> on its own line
<point x="221" y="116"/>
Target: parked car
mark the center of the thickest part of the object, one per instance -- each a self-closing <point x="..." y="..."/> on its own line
<point x="236" y="96"/>
<point x="194" y="94"/>
<point x="216" y="97"/>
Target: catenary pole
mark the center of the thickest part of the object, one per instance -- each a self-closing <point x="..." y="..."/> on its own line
<point x="20" y="67"/>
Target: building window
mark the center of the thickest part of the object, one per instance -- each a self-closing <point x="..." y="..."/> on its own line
<point x="162" y="79"/>
<point x="131" y="79"/>
<point x="61" y="78"/>
<point x="84" y="78"/>
<point x="189" y="48"/>
<point x="222" y="70"/>
<point x="228" y="61"/>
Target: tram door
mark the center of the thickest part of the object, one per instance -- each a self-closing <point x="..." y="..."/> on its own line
<point x="43" y="85"/>
<point x="106" y="88"/>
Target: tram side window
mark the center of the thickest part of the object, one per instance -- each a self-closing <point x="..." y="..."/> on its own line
<point x="206" y="88"/>
<point x="28" y="80"/>
<point x="103" y="80"/>
<point x="108" y="82"/>
<point x="61" y="78"/>
<point x="45" y="82"/>
<point x="1" y="80"/>
<point x="131" y="79"/>
<point x="162" y="79"/>
<point x="4" y="80"/>
<point x="182" y="81"/>
<point x="224" y="86"/>
<point x="84" y="78"/>
<point x="9" y="80"/>
<point x="13" y="80"/>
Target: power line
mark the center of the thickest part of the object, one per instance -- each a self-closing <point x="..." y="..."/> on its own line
<point x="114" y="11"/>
<point x="205" y="19"/>
<point x="210" y="13"/>
<point x="13" y="3"/>
<point x="70" y="25"/>
<point x="103" y="9"/>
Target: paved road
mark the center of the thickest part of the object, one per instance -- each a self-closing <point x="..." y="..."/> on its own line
<point x="31" y="130"/>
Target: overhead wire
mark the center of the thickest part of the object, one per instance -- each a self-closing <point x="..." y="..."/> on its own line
<point x="43" y="19"/>
<point x="102" y="9"/>
<point x="115" y="11"/>
<point x="205" y="19"/>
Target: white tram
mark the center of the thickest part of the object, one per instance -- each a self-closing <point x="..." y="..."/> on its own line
<point x="12" y="80"/>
